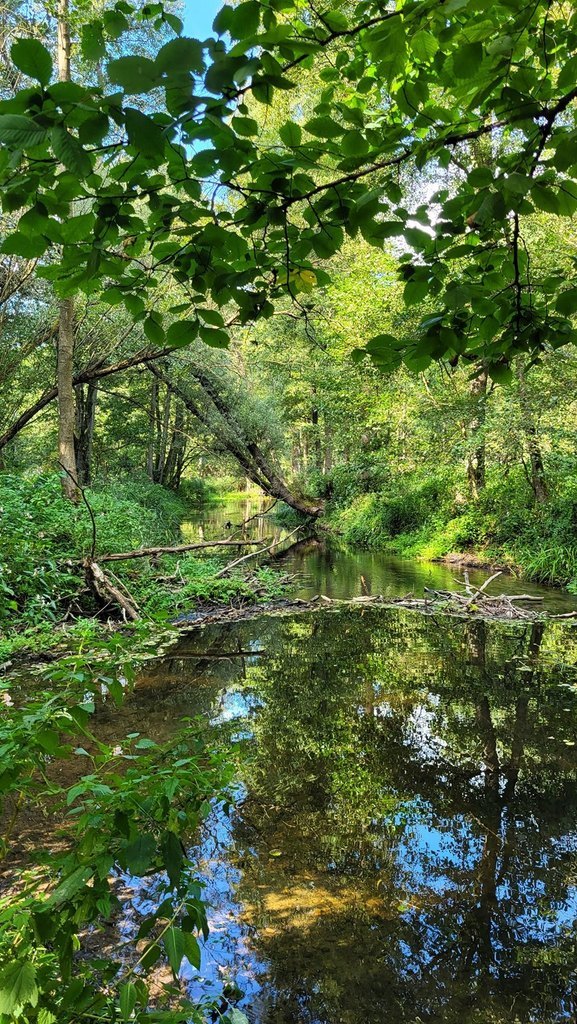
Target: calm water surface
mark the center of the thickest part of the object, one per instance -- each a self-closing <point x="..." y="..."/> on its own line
<point x="404" y="845"/>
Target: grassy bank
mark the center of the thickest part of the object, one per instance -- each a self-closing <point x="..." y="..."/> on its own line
<point x="429" y="518"/>
<point x="43" y="593"/>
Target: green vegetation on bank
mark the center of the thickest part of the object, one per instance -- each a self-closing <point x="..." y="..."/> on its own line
<point x="45" y="539"/>
<point x="429" y="518"/>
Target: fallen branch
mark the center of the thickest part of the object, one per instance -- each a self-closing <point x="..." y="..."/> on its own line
<point x="122" y="556"/>
<point x="481" y="589"/>
<point x="253" y="554"/>
<point x="106" y="591"/>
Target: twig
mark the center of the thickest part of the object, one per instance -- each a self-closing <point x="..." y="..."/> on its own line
<point x="479" y="590"/>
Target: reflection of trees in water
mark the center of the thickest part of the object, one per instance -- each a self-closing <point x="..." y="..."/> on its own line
<point x="410" y="806"/>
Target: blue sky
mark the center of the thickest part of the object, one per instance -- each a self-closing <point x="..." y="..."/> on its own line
<point x="199" y="16"/>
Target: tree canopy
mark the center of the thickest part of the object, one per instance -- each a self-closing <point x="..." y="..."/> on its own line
<point x="156" y="165"/>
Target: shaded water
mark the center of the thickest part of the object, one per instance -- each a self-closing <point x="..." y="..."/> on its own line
<point x="404" y="846"/>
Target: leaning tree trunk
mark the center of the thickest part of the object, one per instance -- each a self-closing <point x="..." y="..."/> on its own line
<point x="65" y="342"/>
<point x="248" y="454"/>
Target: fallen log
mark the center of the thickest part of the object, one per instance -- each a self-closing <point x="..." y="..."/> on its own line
<point x="253" y="554"/>
<point x="123" y="556"/>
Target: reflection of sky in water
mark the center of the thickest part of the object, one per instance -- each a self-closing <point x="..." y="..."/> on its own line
<point x="461" y="861"/>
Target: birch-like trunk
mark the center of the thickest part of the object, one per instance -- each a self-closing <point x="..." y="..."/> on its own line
<point x="65" y="342"/>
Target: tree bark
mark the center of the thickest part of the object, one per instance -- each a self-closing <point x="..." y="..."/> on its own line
<point x="476" y="457"/>
<point x="65" y="342"/>
<point x="177" y="450"/>
<point x="150" y="452"/>
<point x="85" y="421"/>
<point x="537" y="477"/>
<point x="248" y="454"/>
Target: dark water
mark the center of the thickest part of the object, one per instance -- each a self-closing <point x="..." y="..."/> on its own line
<point x="404" y="846"/>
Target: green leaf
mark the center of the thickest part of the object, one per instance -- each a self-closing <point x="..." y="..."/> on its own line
<point x="214" y="337"/>
<point x="191" y="949"/>
<point x="245" y="126"/>
<point x="173" y="856"/>
<point x="18" y="244"/>
<point x="424" y="45"/>
<point x="323" y="127"/>
<point x="69" y="886"/>
<point x="17" y="987"/>
<point x="31" y="57"/>
<point x="78" y="229"/>
<point x="154" y="330"/>
<point x="143" y="133"/>
<point x="17" y="130"/>
<point x="182" y="333"/>
<point x="291" y="134"/>
<point x="139" y="855"/>
<point x="466" y="60"/>
<point x="415" y="291"/>
<point x="181" y="54"/>
<point x="567" y="302"/>
<point x="69" y="151"/>
<point x="174" y="947"/>
<point x="92" y="41"/>
<point x="211" y="316"/>
<point x="245" y="19"/>
<point x="133" y="74"/>
<point x="236" y="1016"/>
<point x="45" y="1016"/>
<point x="128" y="996"/>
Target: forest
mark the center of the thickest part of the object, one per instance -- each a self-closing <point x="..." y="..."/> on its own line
<point x="288" y="511"/>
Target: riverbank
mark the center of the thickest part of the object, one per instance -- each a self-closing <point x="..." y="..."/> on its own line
<point x="504" y="527"/>
<point x="49" y="596"/>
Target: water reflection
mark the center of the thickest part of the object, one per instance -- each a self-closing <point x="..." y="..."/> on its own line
<point x="405" y="848"/>
<point x="327" y="566"/>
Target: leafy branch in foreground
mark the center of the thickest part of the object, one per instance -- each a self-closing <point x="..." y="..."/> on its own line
<point x="128" y="813"/>
<point x="240" y="222"/>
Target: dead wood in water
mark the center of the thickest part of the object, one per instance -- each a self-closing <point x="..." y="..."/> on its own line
<point x="501" y="608"/>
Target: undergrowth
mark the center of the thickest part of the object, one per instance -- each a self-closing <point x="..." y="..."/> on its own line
<point x="45" y="538"/>
<point x="429" y="518"/>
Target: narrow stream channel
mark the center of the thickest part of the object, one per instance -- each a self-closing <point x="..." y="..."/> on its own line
<point x="404" y="845"/>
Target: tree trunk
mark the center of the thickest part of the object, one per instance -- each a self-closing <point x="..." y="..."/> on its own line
<point x="85" y="420"/>
<point x="476" y="455"/>
<point x="65" y="342"/>
<point x="317" y="443"/>
<point x="164" y="424"/>
<point x="250" y="457"/>
<point x="66" y="403"/>
<point x="177" y="450"/>
<point x="95" y="372"/>
<point x="537" y="477"/>
<point x="152" y="429"/>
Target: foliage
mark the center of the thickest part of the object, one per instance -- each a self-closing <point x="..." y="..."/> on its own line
<point x="124" y="810"/>
<point x="406" y="88"/>
<point x="45" y="539"/>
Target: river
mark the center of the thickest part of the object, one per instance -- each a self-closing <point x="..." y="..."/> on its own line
<point x="404" y="843"/>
